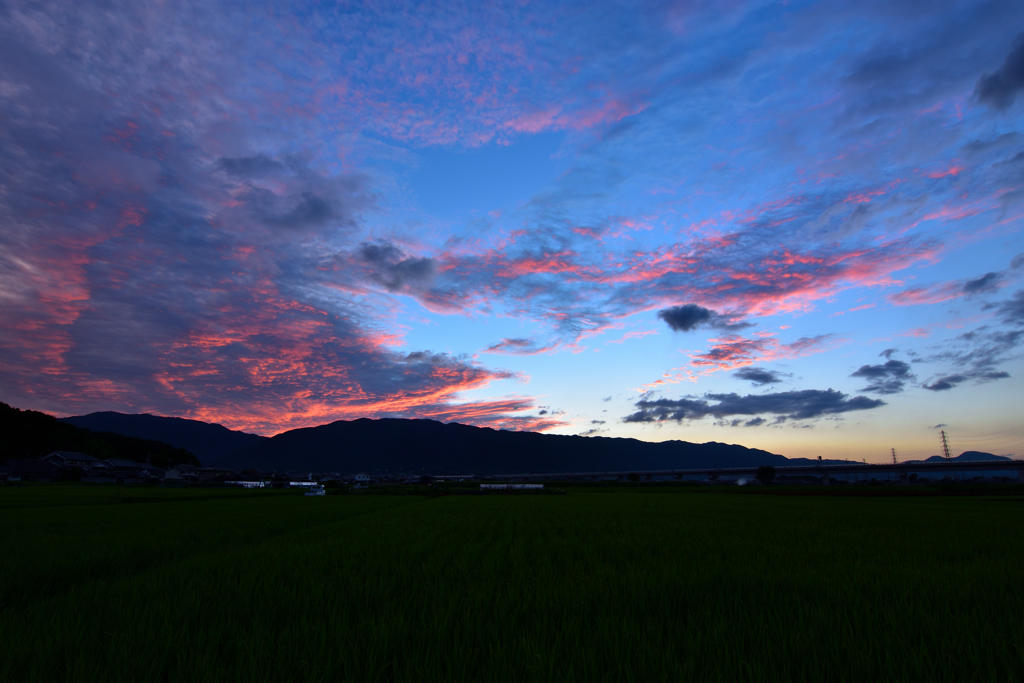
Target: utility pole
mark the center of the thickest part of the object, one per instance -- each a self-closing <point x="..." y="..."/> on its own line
<point x="894" y="461"/>
<point x="945" y="444"/>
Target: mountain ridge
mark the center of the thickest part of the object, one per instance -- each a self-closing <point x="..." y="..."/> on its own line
<point x="211" y="442"/>
<point x="419" y="446"/>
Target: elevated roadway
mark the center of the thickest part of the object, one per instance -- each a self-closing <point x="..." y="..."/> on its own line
<point x="822" y="471"/>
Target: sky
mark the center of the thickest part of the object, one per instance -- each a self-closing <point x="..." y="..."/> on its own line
<point x="794" y="226"/>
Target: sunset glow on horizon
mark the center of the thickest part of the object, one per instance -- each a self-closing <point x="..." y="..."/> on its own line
<point x="795" y="226"/>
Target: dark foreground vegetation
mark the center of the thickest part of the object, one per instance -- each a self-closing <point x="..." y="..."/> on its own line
<point x="613" y="583"/>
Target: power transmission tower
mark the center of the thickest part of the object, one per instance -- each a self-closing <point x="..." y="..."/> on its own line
<point x="894" y="462"/>
<point x="945" y="444"/>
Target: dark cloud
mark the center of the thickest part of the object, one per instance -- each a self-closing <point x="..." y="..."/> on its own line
<point x="310" y="209"/>
<point x="305" y="210"/>
<point x="989" y="282"/>
<point x="756" y="422"/>
<point x="1017" y="262"/>
<point x="794" y="405"/>
<point x="1000" y="143"/>
<point x="542" y="412"/>
<point x="1011" y="311"/>
<point x="945" y="383"/>
<point x="999" y="88"/>
<point x="888" y="378"/>
<point x="689" y="317"/>
<point x="758" y="376"/>
<point x="255" y="166"/>
<point x="949" y="381"/>
<point x="606" y="399"/>
<point x="888" y="353"/>
<point x="597" y="422"/>
<point x="393" y="269"/>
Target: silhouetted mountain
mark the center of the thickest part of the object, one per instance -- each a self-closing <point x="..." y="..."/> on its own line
<point x="30" y="434"/>
<point x="426" y="446"/>
<point x="965" y="456"/>
<point x="213" y="443"/>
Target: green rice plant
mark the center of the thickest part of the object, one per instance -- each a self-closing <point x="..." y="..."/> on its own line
<point x="621" y="586"/>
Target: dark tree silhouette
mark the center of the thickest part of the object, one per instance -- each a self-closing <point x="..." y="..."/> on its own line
<point x="766" y="474"/>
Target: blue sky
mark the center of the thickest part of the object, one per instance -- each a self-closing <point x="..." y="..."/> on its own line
<point x="794" y="226"/>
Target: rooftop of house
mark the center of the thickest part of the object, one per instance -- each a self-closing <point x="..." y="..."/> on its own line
<point x="124" y="464"/>
<point x="70" y="455"/>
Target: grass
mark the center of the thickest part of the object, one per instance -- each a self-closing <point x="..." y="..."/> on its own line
<point x="108" y="583"/>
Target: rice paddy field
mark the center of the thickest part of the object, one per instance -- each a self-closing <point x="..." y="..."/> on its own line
<point x="612" y="584"/>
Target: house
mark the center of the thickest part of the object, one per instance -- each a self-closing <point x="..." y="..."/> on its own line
<point x="215" y="474"/>
<point x="116" y="470"/>
<point x="362" y="478"/>
<point x="182" y="473"/>
<point x="130" y="468"/>
<point x="66" y="459"/>
<point x="34" y="470"/>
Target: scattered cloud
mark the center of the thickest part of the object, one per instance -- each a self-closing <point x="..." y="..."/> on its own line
<point x="793" y="405"/>
<point x="734" y="351"/>
<point x="887" y="378"/>
<point x="977" y="355"/>
<point x="225" y="243"/>
<point x="758" y="376"/>
<point x="1011" y="311"/>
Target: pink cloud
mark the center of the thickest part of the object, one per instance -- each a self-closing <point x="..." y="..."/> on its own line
<point x="734" y="351"/>
<point x="632" y="335"/>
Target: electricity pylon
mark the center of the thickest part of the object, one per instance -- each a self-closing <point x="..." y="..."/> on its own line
<point x="945" y="444"/>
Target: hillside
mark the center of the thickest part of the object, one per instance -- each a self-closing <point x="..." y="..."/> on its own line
<point x="214" y="444"/>
<point x="30" y="434"/>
